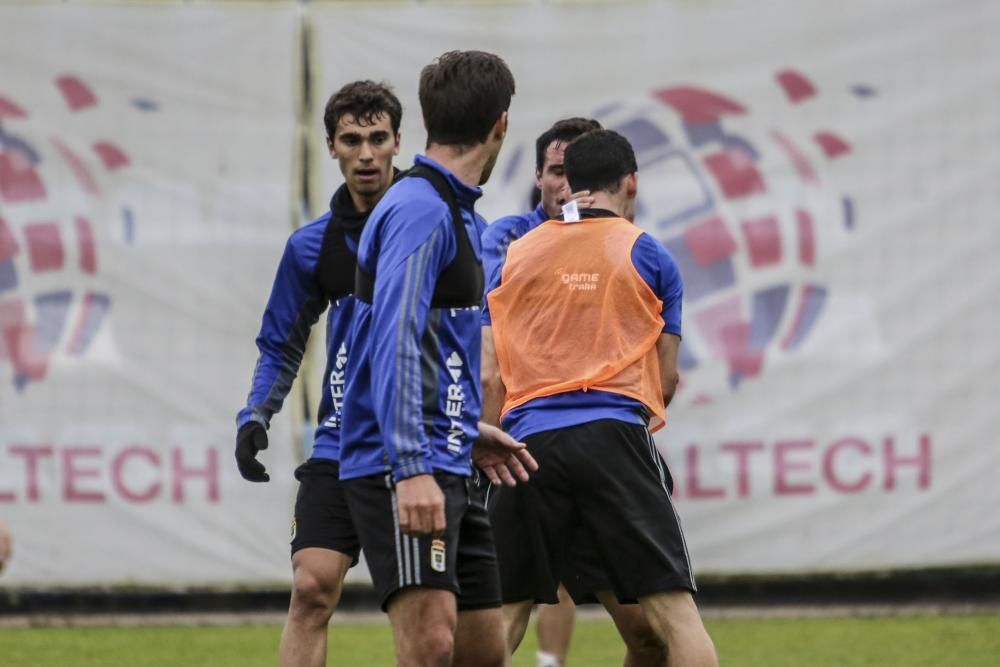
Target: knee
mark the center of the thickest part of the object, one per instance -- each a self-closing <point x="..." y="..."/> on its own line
<point x="642" y="639"/>
<point x="311" y="595"/>
<point x="491" y="651"/>
<point x="437" y="645"/>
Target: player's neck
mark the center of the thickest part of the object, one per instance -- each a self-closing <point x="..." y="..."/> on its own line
<point x="466" y="164"/>
<point x="609" y="202"/>
<point x="364" y="203"/>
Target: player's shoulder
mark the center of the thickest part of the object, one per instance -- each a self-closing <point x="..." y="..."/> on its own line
<point x="649" y="244"/>
<point x="655" y="263"/>
<point x="307" y="239"/>
<point x="499" y="229"/>
<point x="410" y="199"/>
<point x="312" y="228"/>
<point x="503" y="231"/>
<point x="408" y="214"/>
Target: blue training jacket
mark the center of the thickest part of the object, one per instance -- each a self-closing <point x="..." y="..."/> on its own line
<point x="413" y="397"/>
<point x="304" y="287"/>
<point x="500" y="234"/>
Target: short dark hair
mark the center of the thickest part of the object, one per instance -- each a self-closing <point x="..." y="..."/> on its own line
<point x="597" y="160"/>
<point x="565" y="130"/>
<point x="462" y="94"/>
<point x="366" y="101"/>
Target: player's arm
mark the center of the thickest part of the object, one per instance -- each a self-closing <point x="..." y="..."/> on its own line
<point x="666" y="348"/>
<point x="671" y="292"/>
<point x="502" y="459"/>
<point x="659" y="269"/>
<point x="494" y="391"/>
<point x="415" y="246"/>
<point x="294" y="306"/>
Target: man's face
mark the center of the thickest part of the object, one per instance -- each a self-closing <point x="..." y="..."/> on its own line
<point x="551" y="180"/>
<point x="365" y="153"/>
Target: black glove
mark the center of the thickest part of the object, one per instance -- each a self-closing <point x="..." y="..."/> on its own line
<point x="250" y="439"/>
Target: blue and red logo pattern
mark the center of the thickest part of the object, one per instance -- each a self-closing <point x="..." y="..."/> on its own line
<point x="742" y="200"/>
<point x="739" y="203"/>
<point x="49" y="251"/>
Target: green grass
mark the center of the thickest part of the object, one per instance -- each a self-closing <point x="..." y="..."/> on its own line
<point x="945" y="641"/>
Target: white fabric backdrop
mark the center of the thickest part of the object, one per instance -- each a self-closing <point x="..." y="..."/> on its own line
<point x="132" y="433"/>
<point x="825" y="175"/>
<point x="868" y="437"/>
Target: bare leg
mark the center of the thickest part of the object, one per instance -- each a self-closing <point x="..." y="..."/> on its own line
<point x="515" y="621"/>
<point x="555" y="629"/>
<point x="643" y="647"/>
<point x="676" y="621"/>
<point x="423" y="626"/>
<point x="479" y="639"/>
<point x="317" y="580"/>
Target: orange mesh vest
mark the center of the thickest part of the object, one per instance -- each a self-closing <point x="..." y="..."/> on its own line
<point x="572" y="312"/>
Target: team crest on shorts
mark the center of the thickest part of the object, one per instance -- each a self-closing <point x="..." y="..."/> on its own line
<point x="293" y="529"/>
<point x="437" y="556"/>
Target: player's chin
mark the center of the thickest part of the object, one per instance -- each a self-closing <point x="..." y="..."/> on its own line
<point x="369" y="176"/>
<point x="367" y="186"/>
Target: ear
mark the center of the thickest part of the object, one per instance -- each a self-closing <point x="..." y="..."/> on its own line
<point x="500" y="128"/>
<point x="399" y="139"/>
<point x="538" y="179"/>
<point x="330" y="148"/>
<point x="632" y="184"/>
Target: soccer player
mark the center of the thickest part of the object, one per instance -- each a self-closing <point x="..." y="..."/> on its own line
<point x="555" y="622"/>
<point x="599" y="300"/>
<point x="316" y="273"/>
<point x="413" y="394"/>
<point x="552" y="188"/>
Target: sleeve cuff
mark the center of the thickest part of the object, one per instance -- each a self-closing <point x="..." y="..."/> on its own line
<point x="247" y="415"/>
<point x="411" y="467"/>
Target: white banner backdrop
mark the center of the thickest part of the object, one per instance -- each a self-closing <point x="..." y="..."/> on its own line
<point x="146" y="176"/>
<point x="825" y="175"/>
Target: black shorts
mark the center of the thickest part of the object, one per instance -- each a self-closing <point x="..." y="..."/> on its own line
<point x="321" y="516"/>
<point x="604" y="478"/>
<point x="462" y="561"/>
<point x="584" y="574"/>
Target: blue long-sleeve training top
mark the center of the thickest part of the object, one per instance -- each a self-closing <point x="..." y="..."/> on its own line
<point x="316" y="272"/>
<point x="413" y="397"/>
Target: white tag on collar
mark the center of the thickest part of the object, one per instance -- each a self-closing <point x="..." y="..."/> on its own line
<point x="570" y="211"/>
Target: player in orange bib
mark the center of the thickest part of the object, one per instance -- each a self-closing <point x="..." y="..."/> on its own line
<point x="580" y="362"/>
<point x="585" y="572"/>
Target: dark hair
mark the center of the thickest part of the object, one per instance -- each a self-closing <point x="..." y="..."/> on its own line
<point x="462" y="94"/>
<point x="564" y="130"/>
<point x="366" y="101"/>
<point x="598" y="160"/>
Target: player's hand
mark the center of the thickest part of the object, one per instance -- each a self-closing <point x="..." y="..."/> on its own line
<point x="250" y="439"/>
<point x="420" y="504"/>
<point x="502" y="459"/>
<point x="583" y="198"/>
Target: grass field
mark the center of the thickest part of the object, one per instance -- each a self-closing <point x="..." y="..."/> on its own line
<point x="940" y="641"/>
